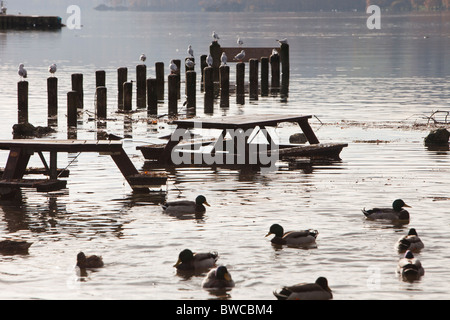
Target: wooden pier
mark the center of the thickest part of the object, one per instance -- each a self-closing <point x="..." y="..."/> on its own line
<point x="21" y="22"/>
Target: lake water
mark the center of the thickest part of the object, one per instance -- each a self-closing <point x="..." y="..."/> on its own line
<point x="361" y="86"/>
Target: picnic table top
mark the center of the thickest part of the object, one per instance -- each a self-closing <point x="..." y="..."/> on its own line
<point x="62" y="145"/>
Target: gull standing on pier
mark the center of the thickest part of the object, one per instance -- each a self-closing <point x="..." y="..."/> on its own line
<point x="282" y="41"/>
<point x="22" y="71"/>
<point x="240" y="56"/>
<point x="215" y="36"/>
<point x="239" y="42"/>
<point x="190" y="51"/>
<point x="223" y="59"/>
<point x="173" y="67"/>
<point x="143" y="57"/>
<point x="209" y="60"/>
<point x="52" y="69"/>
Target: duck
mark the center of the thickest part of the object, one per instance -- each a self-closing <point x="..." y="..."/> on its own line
<point x="189" y="261"/>
<point x="218" y="278"/>
<point x="296" y="238"/>
<point x="91" y="261"/>
<point x="396" y="213"/>
<point x="410" y="242"/>
<point x="186" y="206"/>
<point x="409" y="267"/>
<point x="14" y="246"/>
<point x="318" y="290"/>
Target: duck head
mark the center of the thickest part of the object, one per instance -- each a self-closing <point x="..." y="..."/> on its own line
<point x="276" y="229"/>
<point x="398" y="205"/>
<point x="200" y="200"/>
<point x="223" y="274"/>
<point x="184" y="256"/>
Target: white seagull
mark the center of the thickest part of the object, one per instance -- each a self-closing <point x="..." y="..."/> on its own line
<point x="240" y="56"/>
<point x="190" y="51"/>
<point x="189" y="63"/>
<point x="209" y="60"/>
<point x="223" y="59"/>
<point x="274" y="52"/>
<point x="143" y="57"/>
<point x="239" y="41"/>
<point x="281" y="41"/>
<point x="173" y="67"/>
<point x="52" y="69"/>
<point x="215" y="36"/>
<point x="22" y="71"/>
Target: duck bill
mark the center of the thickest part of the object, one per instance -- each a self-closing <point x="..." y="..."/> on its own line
<point x="268" y="234"/>
<point x="227" y="276"/>
<point x="405" y="205"/>
<point x="206" y="203"/>
<point x="178" y="263"/>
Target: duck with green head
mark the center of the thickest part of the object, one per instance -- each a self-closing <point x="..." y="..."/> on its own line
<point x="190" y="261"/>
<point x="396" y="213"/>
<point x="186" y="206"/>
<point x="218" y="278"/>
<point x="293" y="238"/>
<point x="318" y="290"/>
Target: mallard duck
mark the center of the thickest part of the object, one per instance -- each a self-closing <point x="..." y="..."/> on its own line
<point x="296" y="238"/>
<point x="92" y="261"/>
<point x="186" y="206"/>
<point x="218" y="278"/>
<point x="410" y="242"/>
<point x="306" y="291"/>
<point x="189" y="261"/>
<point x="409" y="267"/>
<point x="395" y="213"/>
<point x="14" y="246"/>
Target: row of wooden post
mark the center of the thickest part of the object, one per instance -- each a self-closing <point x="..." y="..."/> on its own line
<point x="150" y="91"/>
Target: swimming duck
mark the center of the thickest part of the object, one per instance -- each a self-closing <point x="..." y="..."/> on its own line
<point x="92" y="261"/>
<point x="409" y="267"/>
<point x="306" y="291"/>
<point x="14" y="246"/>
<point x="410" y="242"/>
<point x="296" y="238"/>
<point x="218" y="278"/>
<point x="187" y="260"/>
<point x="395" y="213"/>
<point x="186" y="206"/>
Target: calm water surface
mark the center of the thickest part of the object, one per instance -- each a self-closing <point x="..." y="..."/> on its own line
<point x="361" y="86"/>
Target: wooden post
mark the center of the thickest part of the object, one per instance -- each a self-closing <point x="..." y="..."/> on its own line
<point x="77" y="85"/>
<point x="284" y="70"/>
<point x="191" y="78"/>
<point x="216" y="52"/>
<point x="127" y="96"/>
<point x="275" y="73"/>
<point x="72" y="106"/>
<point x="122" y="77"/>
<point x="173" y="94"/>
<point x="203" y="65"/>
<point x="264" y="76"/>
<point x="240" y="83"/>
<point x="141" y="86"/>
<point x="209" y="89"/>
<point x="178" y="73"/>
<point x="22" y="101"/>
<point x="52" y="97"/>
<point x="254" y="86"/>
<point x="100" y="78"/>
<point x="224" y="86"/>
<point x="159" y="70"/>
<point x="101" y="102"/>
<point x="152" y="96"/>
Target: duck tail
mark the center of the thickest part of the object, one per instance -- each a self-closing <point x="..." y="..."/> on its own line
<point x="314" y="233"/>
<point x="279" y="295"/>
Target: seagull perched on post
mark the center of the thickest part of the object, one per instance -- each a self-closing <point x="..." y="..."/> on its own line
<point x="143" y="57"/>
<point x="209" y="60"/>
<point x="22" y="71"/>
<point x="215" y="36"/>
<point x="240" y="42"/>
<point x="240" y="56"/>
<point x="190" y="51"/>
<point x="189" y="63"/>
<point x="173" y="67"/>
<point x="52" y="69"/>
<point x="223" y="59"/>
<point x="281" y="41"/>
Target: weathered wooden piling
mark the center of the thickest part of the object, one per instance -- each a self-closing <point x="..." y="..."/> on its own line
<point x="100" y="78"/>
<point x="122" y="77"/>
<point x="101" y="102"/>
<point x="173" y="94"/>
<point x="240" y="83"/>
<point x="127" y="96"/>
<point x="264" y="76"/>
<point x="224" y="72"/>
<point x="274" y="60"/>
<point x="77" y="85"/>
<point x="52" y="97"/>
<point x="178" y="73"/>
<point x="191" y="97"/>
<point x="159" y="71"/>
<point x="72" y="106"/>
<point x="203" y="65"/>
<point x="141" y="86"/>
<point x="209" y="89"/>
<point x="22" y="101"/>
<point x="284" y="70"/>
<point x="152" y="96"/>
<point x="254" y="85"/>
<point x="215" y="52"/>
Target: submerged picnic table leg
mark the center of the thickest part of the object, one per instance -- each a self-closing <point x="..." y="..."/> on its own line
<point x="308" y="131"/>
<point x="127" y="167"/>
<point x="175" y="139"/>
<point x="16" y="164"/>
